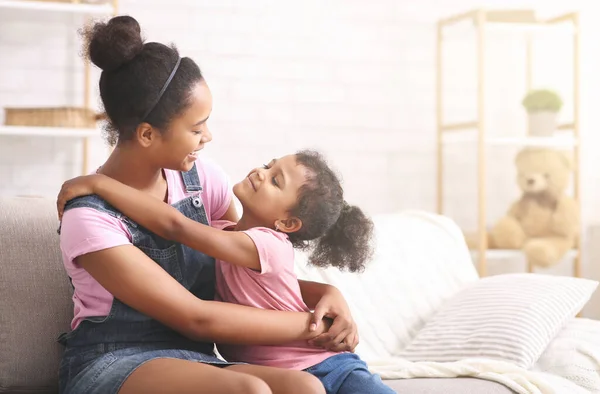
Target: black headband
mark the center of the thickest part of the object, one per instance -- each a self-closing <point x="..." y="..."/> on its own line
<point x="162" y="91"/>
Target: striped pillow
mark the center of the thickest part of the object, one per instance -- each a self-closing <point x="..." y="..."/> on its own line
<point x="508" y="317"/>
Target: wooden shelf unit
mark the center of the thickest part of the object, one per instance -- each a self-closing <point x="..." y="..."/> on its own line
<point x="524" y="20"/>
<point x="72" y="7"/>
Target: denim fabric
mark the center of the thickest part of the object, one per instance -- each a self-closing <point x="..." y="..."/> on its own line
<point x="346" y="373"/>
<point x="102" y="352"/>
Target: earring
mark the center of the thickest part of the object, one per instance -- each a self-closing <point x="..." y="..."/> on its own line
<point x="277" y="227"/>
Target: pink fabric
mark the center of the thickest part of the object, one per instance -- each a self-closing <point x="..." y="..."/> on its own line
<point x="86" y="230"/>
<point x="274" y="287"/>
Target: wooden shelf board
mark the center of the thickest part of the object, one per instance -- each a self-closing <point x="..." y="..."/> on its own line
<point x="74" y="8"/>
<point x="516" y="19"/>
<point x="541" y="142"/>
<point x="514" y="253"/>
<point x="48" y="131"/>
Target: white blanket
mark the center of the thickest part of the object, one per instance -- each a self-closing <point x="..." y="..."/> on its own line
<point x="574" y="354"/>
<point x="518" y="379"/>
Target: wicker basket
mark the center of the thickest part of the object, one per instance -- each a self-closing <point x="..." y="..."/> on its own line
<point x="74" y="1"/>
<point x="51" y="117"/>
<point x="56" y="1"/>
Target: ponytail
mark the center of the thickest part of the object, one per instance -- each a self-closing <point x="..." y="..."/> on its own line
<point x="347" y="244"/>
<point x="338" y="234"/>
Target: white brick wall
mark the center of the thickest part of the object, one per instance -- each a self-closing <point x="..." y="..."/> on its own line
<point x="354" y="78"/>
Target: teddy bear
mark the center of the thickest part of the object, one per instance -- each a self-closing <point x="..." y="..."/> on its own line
<point x="544" y="222"/>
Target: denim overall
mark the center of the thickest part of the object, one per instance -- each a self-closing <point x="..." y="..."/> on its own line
<point x="102" y="351"/>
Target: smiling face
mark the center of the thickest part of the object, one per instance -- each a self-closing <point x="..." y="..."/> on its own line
<point x="268" y="194"/>
<point x="177" y="148"/>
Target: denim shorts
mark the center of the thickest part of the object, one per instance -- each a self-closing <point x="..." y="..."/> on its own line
<point x="99" y="369"/>
<point x="346" y="373"/>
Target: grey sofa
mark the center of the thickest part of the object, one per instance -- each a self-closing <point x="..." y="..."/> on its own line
<point x="35" y="306"/>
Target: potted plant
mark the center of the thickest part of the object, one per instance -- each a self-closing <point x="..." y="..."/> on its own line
<point x="542" y="107"/>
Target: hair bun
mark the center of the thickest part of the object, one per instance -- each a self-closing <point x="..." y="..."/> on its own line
<point x="112" y="44"/>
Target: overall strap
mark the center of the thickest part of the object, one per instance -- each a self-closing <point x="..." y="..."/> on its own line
<point x="191" y="180"/>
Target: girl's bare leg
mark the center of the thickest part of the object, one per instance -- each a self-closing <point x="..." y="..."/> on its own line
<point x="283" y="381"/>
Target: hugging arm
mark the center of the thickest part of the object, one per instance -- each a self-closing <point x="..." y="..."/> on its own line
<point x="133" y="278"/>
<point x="164" y="220"/>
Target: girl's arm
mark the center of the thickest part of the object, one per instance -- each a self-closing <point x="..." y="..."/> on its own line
<point x="164" y="220"/>
<point x="130" y="276"/>
<point x="325" y="300"/>
<point x="328" y="301"/>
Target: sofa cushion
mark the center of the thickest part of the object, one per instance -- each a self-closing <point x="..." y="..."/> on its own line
<point x="510" y="317"/>
<point x="35" y="296"/>
<point x="421" y="260"/>
<point x="447" y="386"/>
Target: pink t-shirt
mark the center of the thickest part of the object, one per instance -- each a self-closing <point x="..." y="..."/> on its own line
<point x="274" y="287"/>
<point x="87" y="230"/>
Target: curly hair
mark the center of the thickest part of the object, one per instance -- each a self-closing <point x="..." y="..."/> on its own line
<point x="338" y="234"/>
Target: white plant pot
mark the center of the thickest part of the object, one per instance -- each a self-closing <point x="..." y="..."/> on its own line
<point x="543" y="124"/>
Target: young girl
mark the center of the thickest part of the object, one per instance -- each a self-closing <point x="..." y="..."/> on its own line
<point x="295" y="201"/>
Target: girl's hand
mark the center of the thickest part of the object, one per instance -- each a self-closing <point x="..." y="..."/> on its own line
<point x="76" y="187"/>
<point x="343" y="333"/>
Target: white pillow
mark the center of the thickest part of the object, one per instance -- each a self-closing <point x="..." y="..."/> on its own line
<point x="509" y="317"/>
